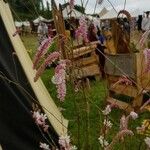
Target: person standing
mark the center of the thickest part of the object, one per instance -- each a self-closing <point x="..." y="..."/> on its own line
<point x="146" y="22"/>
<point x="139" y="23"/>
<point x="42" y="32"/>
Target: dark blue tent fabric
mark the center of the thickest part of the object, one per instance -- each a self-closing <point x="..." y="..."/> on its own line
<point x="17" y="128"/>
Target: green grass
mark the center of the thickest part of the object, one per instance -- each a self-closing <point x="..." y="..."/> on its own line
<point x="75" y="110"/>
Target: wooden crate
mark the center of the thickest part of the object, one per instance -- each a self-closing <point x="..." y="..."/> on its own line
<point x="86" y="61"/>
<point x="120" y="64"/>
<point x="133" y="66"/>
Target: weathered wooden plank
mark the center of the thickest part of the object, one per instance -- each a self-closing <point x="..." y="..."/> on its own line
<point x="122" y="105"/>
<point x="86" y="61"/>
<point x="128" y="90"/>
<point x="84" y="50"/>
<point x="90" y="70"/>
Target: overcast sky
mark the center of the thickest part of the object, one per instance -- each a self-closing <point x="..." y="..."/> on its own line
<point x="143" y="5"/>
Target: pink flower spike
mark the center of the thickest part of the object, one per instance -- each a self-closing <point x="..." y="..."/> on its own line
<point x="51" y="58"/>
<point x="64" y="141"/>
<point x="40" y="120"/>
<point x="44" y="146"/>
<point x="125" y="80"/>
<point x="41" y="51"/>
<point x="133" y="115"/>
<point x="107" y="110"/>
<point x="59" y="79"/>
<point x="144" y="37"/>
<point x="147" y="141"/>
<point x="123" y="123"/>
<point x="147" y="59"/>
<point x="82" y="30"/>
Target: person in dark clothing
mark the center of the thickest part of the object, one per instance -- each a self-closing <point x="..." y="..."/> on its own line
<point x="139" y="23"/>
<point x="92" y="36"/>
<point x="100" y="36"/>
<point x="126" y="25"/>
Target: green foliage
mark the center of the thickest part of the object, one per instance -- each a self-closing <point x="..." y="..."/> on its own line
<point x="79" y="8"/>
<point x="53" y="47"/>
<point x="29" y="9"/>
<point x="75" y="110"/>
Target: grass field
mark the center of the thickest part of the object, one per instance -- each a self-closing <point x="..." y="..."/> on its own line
<point x="75" y="110"/>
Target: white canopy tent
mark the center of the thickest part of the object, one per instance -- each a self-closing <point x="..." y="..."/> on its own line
<point x="113" y="14"/>
<point x="40" y="18"/>
<point x="110" y="14"/>
<point x="74" y="13"/>
<point x="103" y="12"/>
<point x="19" y="24"/>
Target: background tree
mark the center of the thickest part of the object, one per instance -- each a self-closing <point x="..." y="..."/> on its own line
<point x="29" y="9"/>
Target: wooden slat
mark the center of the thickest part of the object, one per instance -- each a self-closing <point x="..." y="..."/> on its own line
<point x="86" y="61"/>
<point x="83" y="50"/>
<point x="91" y="70"/>
<point x="146" y="124"/>
<point x="122" y="105"/>
<point x="147" y="107"/>
<point x="128" y="90"/>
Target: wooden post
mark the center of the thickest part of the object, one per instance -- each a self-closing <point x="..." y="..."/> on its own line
<point x="60" y="27"/>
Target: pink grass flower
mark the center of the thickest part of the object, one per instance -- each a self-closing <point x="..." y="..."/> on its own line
<point x="40" y="120"/>
<point x="59" y="79"/>
<point x="103" y="141"/>
<point x="122" y="80"/>
<point x="48" y="61"/>
<point x="41" y="51"/>
<point x="64" y="141"/>
<point x="147" y="59"/>
<point x="123" y="123"/>
<point x="144" y="37"/>
<point x="107" y="110"/>
<point x="133" y="115"/>
<point x="147" y="141"/>
<point x="119" y="135"/>
<point x="82" y="30"/>
<point x="125" y="80"/>
<point x="44" y="146"/>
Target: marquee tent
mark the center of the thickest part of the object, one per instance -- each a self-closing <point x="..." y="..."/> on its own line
<point x="40" y="18"/>
<point x="19" y="24"/>
<point x="74" y="13"/>
<point x="113" y="14"/>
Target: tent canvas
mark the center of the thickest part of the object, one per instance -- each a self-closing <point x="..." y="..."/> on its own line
<point x="113" y="14"/>
<point x="110" y="14"/>
<point x="103" y="12"/>
<point x="18" y="91"/>
<point x="40" y="18"/>
<point x="74" y="13"/>
<point x="19" y="24"/>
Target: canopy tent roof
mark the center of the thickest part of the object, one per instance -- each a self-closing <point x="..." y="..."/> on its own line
<point x="19" y="24"/>
<point x="103" y="12"/>
<point x="113" y="14"/>
<point x="40" y="18"/>
<point x="74" y="13"/>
